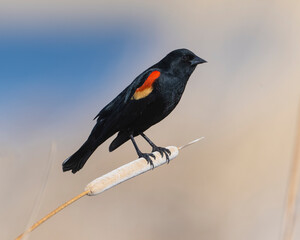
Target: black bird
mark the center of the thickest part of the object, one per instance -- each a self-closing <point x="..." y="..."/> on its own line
<point x="145" y="102"/>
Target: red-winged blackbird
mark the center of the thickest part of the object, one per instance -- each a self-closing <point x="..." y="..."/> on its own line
<point x="145" y="102"/>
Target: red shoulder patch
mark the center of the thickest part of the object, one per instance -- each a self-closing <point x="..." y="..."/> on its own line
<point x="144" y="90"/>
<point x="149" y="81"/>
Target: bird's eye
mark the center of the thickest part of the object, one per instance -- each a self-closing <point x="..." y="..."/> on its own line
<point x="185" y="58"/>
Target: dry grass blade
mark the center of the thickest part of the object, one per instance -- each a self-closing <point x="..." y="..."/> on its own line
<point x="289" y="214"/>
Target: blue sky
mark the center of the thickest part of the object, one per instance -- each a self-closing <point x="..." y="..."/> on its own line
<point x="59" y="61"/>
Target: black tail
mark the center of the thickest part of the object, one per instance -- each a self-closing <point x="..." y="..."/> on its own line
<point x="79" y="158"/>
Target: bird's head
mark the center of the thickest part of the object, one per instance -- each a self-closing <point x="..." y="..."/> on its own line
<point x="181" y="61"/>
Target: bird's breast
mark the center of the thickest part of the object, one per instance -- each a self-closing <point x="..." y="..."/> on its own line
<point x="170" y="90"/>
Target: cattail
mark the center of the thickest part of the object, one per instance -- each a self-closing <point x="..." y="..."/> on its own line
<point x="127" y="171"/>
<point x="114" y="178"/>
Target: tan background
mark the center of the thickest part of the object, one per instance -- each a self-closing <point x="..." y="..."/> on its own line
<point x="231" y="186"/>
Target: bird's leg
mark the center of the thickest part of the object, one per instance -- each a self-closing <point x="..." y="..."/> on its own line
<point x="142" y="155"/>
<point x="161" y="150"/>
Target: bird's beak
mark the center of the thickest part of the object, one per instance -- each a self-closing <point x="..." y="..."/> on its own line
<point x="197" y="61"/>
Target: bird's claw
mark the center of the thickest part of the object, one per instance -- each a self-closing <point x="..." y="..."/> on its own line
<point x="162" y="151"/>
<point x="147" y="158"/>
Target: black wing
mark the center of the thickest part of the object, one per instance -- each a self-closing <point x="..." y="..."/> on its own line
<point x="124" y="97"/>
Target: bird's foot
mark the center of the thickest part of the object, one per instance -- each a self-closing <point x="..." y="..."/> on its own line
<point x="147" y="156"/>
<point x="162" y="151"/>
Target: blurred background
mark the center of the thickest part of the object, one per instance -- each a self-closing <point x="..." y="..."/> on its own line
<point x="62" y="61"/>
